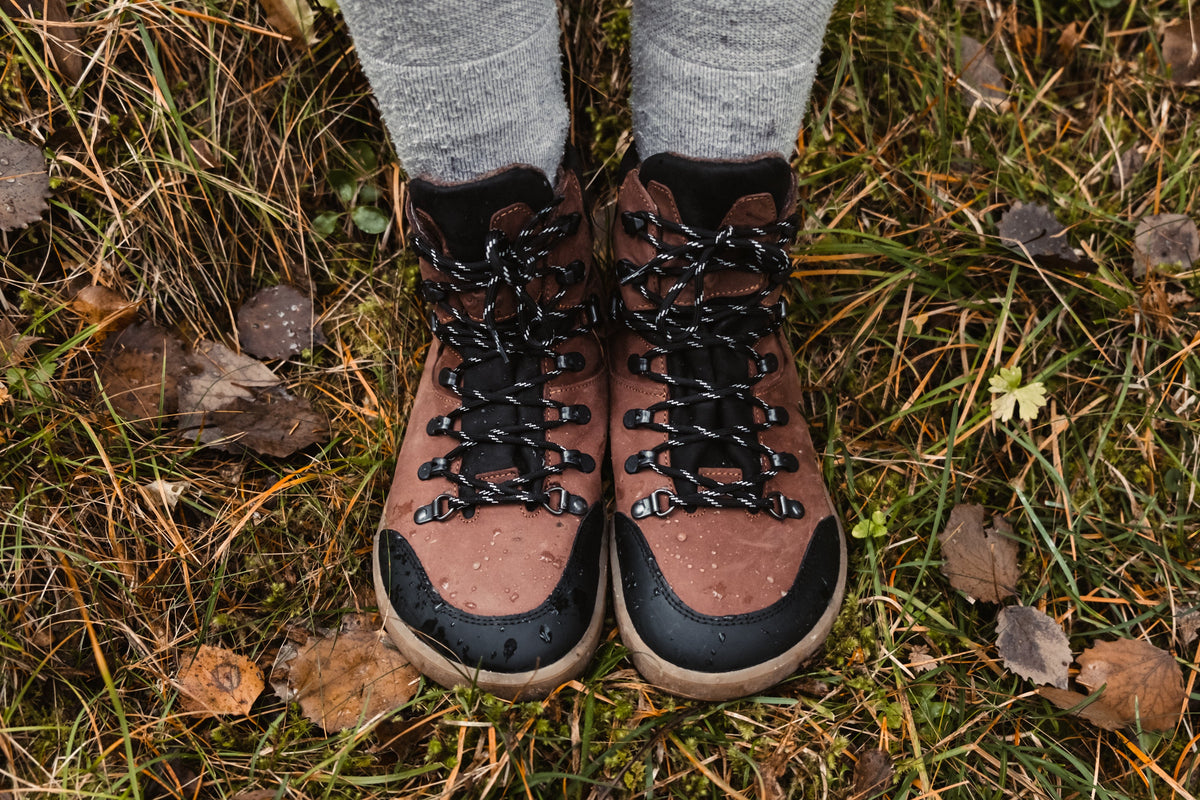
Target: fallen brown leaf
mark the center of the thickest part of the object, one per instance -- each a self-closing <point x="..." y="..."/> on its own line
<point x="1189" y="626"/>
<point x="981" y="562"/>
<point x="1139" y="680"/>
<point x="872" y="774"/>
<point x="62" y="38"/>
<point x="919" y="659"/>
<point x="13" y="346"/>
<point x="233" y="402"/>
<point x="981" y="80"/>
<point x="292" y="18"/>
<point x="1181" y="49"/>
<point x="278" y="322"/>
<point x="1165" y="240"/>
<point x="24" y="184"/>
<point x="1033" y="645"/>
<point x="1095" y="712"/>
<point x="139" y="372"/>
<point x="99" y="305"/>
<point x="217" y="681"/>
<point x="344" y="677"/>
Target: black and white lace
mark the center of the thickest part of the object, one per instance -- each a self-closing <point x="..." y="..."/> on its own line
<point x="529" y="335"/>
<point x="705" y="323"/>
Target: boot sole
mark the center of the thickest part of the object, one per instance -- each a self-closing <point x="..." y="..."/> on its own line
<point x="528" y="685"/>
<point x="724" y="685"/>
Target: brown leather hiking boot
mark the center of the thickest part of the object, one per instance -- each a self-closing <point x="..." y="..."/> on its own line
<point x="729" y="564"/>
<point x="490" y="563"/>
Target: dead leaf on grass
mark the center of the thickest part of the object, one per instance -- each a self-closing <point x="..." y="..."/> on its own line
<point x="217" y="681"/>
<point x="13" y="345"/>
<point x="1095" y="712"/>
<point x="1181" y="49"/>
<point x="1189" y="626"/>
<point x="292" y="18"/>
<point x="233" y="402"/>
<point x="99" y="305"/>
<point x="981" y="562"/>
<point x="1138" y="678"/>
<point x="981" y="80"/>
<point x="1032" y="228"/>
<point x="872" y="774"/>
<point x="24" y="184"/>
<point x="278" y="322"/>
<point x="1165" y="240"/>
<point x="919" y="659"/>
<point x="139" y="372"/>
<point x="164" y="494"/>
<point x="1128" y="165"/>
<point x="344" y="677"/>
<point x="62" y="38"/>
<point x="1033" y="645"/>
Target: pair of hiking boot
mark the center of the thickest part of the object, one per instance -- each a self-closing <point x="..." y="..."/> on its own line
<point x="492" y="560"/>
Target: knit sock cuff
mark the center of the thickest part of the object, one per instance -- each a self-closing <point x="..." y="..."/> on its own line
<point x="718" y="79"/>
<point x="457" y="122"/>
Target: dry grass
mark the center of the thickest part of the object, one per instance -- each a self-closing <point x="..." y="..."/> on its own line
<point x="190" y="161"/>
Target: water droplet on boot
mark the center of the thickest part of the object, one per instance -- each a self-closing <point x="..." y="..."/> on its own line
<point x="681" y="537"/>
<point x="475" y="565"/>
<point x="545" y="634"/>
<point x="514" y="597"/>
<point x="721" y="636"/>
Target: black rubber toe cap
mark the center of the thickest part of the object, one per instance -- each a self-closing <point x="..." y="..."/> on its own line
<point x="513" y="643"/>
<point x="704" y="643"/>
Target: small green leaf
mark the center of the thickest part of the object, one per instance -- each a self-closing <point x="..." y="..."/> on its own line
<point x="1006" y="385"/>
<point x="370" y="219"/>
<point x="325" y="223"/>
<point x="343" y="183"/>
<point x="363" y="154"/>
<point x="369" y="193"/>
<point x="871" y="528"/>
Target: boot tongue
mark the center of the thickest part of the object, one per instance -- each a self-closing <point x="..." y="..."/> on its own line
<point x="705" y="191"/>
<point x="463" y="212"/>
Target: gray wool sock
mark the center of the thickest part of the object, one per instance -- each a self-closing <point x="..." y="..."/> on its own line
<point x="466" y="88"/>
<point x="723" y="79"/>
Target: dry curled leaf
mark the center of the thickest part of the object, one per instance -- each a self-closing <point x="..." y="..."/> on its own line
<point x="1139" y="680"/>
<point x="24" y="184"/>
<point x="13" y="345"/>
<point x="981" y="80"/>
<point x="62" y="38"/>
<point x="341" y="678"/>
<point x="872" y="774"/>
<point x="1128" y="165"/>
<point x="1165" y="240"/>
<point x="1033" y="645"/>
<point x="919" y="659"/>
<point x="1181" y="49"/>
<point x="139" y="372"/>
<point x="233" y="402"/>
<point x="217" y="681"/>
<point x="1189" y="626"/>
<point x="1031" y="228"/>
<point x="99" y="305"/>
<point x="278" y="322"/>
<point x="981" y="562"/>
<point x="292" y="18"/>
<point x="1095" y="712"/>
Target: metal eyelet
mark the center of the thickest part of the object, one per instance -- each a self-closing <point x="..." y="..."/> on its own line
<point x="448" y="378"/>
<point x="636" y="417"/>
<point x="777" y="415"/>
<point x="650" y="504"/>
<point x="784" y="461"/>
<point x="639" y="365"/>
<point x="579" y="460"/>
<point x="580" y="414"/>
<point x="559" y="500"/>
<point x="632" y="223"/>
<point x="785" y="507"/>
<point x="570" y="362"/>
<point x="433" y="469"/>
<point x="640" y="460"/>
<point x="767" y="364"/>
<point x="439" y="425"/>
<point x="572" y="273"/>
<point x="441" y="508"/>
